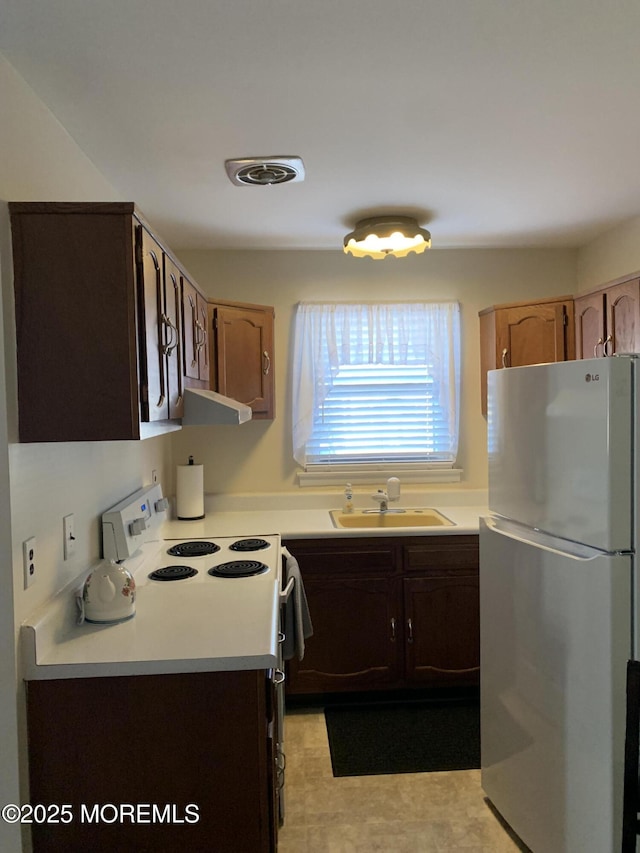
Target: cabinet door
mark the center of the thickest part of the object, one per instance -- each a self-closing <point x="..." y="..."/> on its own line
<point x="195" y="333"/>
<point x="442" y="630"/>
<point x="525" y="333"/>
<point x="623" y="318"/>
<point x="173" y="349"/>
<point x="189" y="329"/>
<point x="154" y="390"/>
<point x="356" y="642"/>
<point x="218" y="760"/>
<point x="532" y="334"/>
<point x="590" y="325"/>
<point x="202" y="327"/>
<point x="244" y="357"/>
<point x="76" y="309"/>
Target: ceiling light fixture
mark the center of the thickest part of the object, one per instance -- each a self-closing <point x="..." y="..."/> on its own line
<point x="381" y="236"/>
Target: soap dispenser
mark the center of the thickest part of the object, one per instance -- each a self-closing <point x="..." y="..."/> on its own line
<point x="348" y="499"/>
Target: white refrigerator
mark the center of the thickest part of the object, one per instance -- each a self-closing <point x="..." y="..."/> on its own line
<point x="558" y="598"/>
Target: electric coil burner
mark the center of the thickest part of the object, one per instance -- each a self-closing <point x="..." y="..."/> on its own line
<point x="193" y="549"/>
<point x="238" y="569"/>
<point x="173" y="573"/>
<point x="252" y="544"/>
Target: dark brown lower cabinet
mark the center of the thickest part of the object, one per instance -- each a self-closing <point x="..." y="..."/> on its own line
<point x="137" y="758"/>
<point x="442" y="630"/>
<point x="389" y="613"/>
<point x="353" y="646"/>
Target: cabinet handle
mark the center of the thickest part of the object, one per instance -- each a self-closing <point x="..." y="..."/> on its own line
<point x="267" y="363"/>
<point x="393" y="630"/>
<point x="505" y="353"/>
<point x="608" y="340"/>
<point x="198" y="336"/>
<point x="168" y="337"/>
<point x="410" y="631"/>
<point x="205" y="344"/>
<point x="172" y="341"/>
<point x="595" y="349"/>
<point x="194" y="332"/>
<point x="205" y="336"/>
<point x="196" y="339"/>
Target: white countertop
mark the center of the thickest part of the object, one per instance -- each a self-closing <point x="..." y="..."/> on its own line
<point x="311" y="523"/>
<point x="206" y="627"/>
<point x="215" y="625"/>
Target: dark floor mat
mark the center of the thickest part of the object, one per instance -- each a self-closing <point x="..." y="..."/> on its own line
<point x="413" y="737"/>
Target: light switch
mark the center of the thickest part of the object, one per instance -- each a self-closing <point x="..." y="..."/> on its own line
<point x="69" y="537"/>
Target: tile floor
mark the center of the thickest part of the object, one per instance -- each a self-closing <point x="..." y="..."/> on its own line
<point x="405" y="813"/>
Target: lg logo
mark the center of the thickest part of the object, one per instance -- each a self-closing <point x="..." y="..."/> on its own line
<point x="592" y="377"/>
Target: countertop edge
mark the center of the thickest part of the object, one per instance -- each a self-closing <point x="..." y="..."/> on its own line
<point x="55" y="671"/>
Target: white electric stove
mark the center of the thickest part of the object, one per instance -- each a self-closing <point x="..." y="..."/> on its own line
<point x="132" y="526"/>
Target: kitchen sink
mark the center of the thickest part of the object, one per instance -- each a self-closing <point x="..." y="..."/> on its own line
<point x="359" y="518"/>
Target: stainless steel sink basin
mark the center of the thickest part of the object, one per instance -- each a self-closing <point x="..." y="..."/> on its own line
<point x="359" y="518"/>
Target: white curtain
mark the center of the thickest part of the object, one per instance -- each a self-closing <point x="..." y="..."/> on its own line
<point x="329" y="335"/>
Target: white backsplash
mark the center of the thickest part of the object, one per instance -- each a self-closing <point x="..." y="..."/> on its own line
<point x="50" y="481"/>
<point x="334" y="499"/>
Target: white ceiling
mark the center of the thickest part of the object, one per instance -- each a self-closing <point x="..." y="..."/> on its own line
<point x="496" y="122"/>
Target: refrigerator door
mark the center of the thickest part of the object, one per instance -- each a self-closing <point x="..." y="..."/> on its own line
<point x="560" y="449"/>
<point x="555" y="635"/>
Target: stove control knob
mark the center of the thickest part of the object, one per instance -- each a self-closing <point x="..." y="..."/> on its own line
<point x="137" y="526"/>
<point x="161" y="505"/>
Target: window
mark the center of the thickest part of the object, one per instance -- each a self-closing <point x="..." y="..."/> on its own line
<point x="376" y="384"/>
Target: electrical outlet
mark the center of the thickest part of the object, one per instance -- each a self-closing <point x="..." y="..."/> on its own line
<point x="29" y="561"/>
<point x="69" y="537"/>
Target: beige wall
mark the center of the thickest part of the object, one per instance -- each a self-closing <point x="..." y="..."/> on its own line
<point x="614" y="254"/>
<point x="257" y="457"/>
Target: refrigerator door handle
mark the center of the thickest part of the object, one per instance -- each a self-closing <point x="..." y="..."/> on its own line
<point x="553" y="544"/>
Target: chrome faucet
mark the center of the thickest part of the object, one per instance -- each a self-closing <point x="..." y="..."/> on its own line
<point x="383" y="497"/>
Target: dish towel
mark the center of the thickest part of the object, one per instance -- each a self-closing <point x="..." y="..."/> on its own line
<point x="297" y="619"/>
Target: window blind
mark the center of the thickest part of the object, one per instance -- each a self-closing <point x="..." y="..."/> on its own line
<point x="380" y="413"/>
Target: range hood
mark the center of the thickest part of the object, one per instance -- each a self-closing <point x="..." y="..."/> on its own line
<point x="202" y="408"/>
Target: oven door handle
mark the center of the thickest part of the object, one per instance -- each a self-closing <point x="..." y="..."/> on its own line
<point x="286" y="592"/>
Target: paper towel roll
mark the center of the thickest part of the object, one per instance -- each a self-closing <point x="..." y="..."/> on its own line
<point x="190" y="491"/>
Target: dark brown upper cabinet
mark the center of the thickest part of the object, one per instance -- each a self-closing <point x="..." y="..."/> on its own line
<point x="99" y="326"/>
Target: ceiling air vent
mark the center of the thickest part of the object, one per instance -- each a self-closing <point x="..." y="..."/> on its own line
<point x="265" y="171"/>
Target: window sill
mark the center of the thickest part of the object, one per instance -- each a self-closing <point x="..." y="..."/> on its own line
<point x="408" y="473"/>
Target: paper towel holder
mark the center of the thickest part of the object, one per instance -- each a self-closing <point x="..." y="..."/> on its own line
<point x="190" y="492"/>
